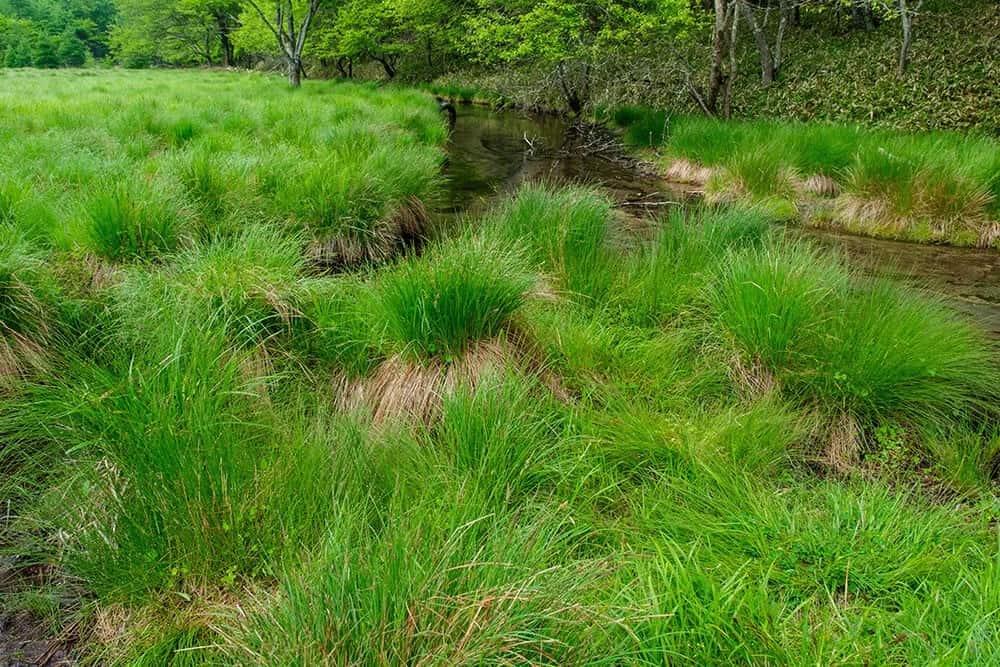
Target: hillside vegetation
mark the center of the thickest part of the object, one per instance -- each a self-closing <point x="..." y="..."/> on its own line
<point x="257" y="409"/>
<point x="830" y="72"/>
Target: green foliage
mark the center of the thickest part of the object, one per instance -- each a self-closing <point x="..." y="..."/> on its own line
<point x="72" y="52"/>
<point x="240" y="286"/>
<point x="18" y="54"/>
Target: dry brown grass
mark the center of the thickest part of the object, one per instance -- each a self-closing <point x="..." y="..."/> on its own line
<point x="843" y="446"/>
<point x="404" y="389"/>
<point x="931" y="211"/>
<point x="687" y="172"/>
<point x="819" y="185"/>
<point x="752" y="379"/>
<point x="407" y="223"/>
<point x="18" y="358"/>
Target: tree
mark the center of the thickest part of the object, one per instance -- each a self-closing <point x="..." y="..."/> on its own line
<point x="724" y="17"/>
<point x="290" y="34"/>
<point x="370" y="30"/>
<point x="181" y="32"/>
<point x="908" y="10"/>
<point x="72" y="52"/>
<point x="770" y="57"/>
<point x="569" y="38"/>
<point x="422" y="32"/>
<point x="44" y="53"/>
<point x="18" y="54"/>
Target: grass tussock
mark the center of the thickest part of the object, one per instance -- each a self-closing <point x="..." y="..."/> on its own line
<point x="28" y="302"/>
<point x="542" y="439"/>
<point x="932" y="187"/>
<point x="453" y="295"/>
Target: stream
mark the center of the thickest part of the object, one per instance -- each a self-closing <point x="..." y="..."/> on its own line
<point x="492" y="153"/>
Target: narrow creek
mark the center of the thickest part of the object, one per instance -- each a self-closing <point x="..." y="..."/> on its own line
<point x="491" y="153"/>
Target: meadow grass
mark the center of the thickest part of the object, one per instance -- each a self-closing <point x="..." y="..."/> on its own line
<point x="172" y="156"/>
<point x="929" y="187"/>
<point x="692" y="441"/>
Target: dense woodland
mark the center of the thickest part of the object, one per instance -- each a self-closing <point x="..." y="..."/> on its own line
<point x="720" y="57"/>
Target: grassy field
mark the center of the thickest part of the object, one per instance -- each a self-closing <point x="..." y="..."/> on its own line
<point x="926" y="187"/>
<point x="248" y="418"/>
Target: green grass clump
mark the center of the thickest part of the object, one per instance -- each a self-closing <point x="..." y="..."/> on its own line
<point x="921" y="187"/>
<point x="865" y="347"/>
<point x="243" y="286"/>
<point x="27" y="289"/>
<point x="453" y="295"/>
<point x="643" y="127"/>
<point x="337" y="326"/>
<point x="126" y="222"/>
<point x="185" y="156"/>
<point x="410" y="591"/>
<point x="357" y="195"/>
<point x="668" y="275"/>
<point x="566" y="230"/>
<point x="771" y="300"/>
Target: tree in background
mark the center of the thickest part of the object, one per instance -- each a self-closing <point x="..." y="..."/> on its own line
<point x="568" y="38"/>
<point x="424" y="33"/>
<point x="290" y="33"/>
<point x="18" y="54"/>
<point x="183" y="32"/>
<point x="44" y="52"/>
<point x="88" y="21"/>
<point x="72" y="51"/>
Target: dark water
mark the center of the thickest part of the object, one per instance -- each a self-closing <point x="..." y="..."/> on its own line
<point x="494" y="152"/>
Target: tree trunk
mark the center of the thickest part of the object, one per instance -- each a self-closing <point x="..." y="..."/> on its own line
<point x="766" y="59"/>
<point x="227" y="47"/>
<point x="770" y="59"/>
<point x="225" y="43"/>
<point x="783" y="20"/>
<point x="575" y="99"/>
<point x="727" y="97"/>
<point x="906" y="14"/>
<point x="388" y="66"/>
<point x="294" y="72"/>
<point x="291" y="37"/>
<point x="345" y="67"/>
<point x="717" y="78"/>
